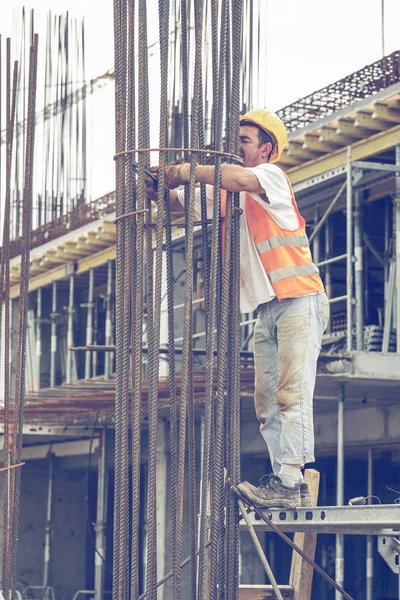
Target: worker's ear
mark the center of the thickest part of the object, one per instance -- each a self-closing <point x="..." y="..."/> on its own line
<point x="266" y="150"/>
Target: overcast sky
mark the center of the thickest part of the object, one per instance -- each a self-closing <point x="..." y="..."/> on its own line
<point x="310" y="43"/>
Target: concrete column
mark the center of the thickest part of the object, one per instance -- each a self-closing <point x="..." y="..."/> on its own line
<point x="370" y="538"/>
<point x="70" y="329"/>
<point x="339" y="561"/>
<point x="53" y="351"/>
<point x="162" y="482"/>
<point x="38" y="339"/>
<point x="108" y="333"/>
<point x="100" y="555"/>
<point x="89" y="323"/>
<point x="47" y="542"/>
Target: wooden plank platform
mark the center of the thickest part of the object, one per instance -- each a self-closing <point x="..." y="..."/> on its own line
<point x="264" y="592"/>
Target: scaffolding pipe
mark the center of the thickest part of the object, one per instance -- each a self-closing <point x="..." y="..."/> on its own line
<point x="370" y="538"/>
<point x="89" y="322"/>
<point x="328" y="272"/>
<point x="331" y="260"/>
<point x="100" y="527"/>
<point x="358" y="271"/>
<point x="38" y="338"/>
<point x="397" y="242"/>
<point x="53" y="346"/>
<point x="339" y="561"/>
<point x="70" y="330"/>
<point x="316" y="242"/>
<point x="108" y="332"/>
<point x="47" y="542"/>
<point x="387" y="250"/>
<point x="327" y="212"/>
<point x="95" y="337"/>
<point x="349" y="251"/>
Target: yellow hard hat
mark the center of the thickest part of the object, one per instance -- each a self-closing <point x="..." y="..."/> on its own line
<point x="271" y="123"/>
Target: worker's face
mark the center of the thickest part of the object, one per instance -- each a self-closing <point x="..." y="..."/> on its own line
<point x="252" y="153"/>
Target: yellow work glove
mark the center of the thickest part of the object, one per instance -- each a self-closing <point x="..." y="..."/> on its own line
<point x="177" y="175"/>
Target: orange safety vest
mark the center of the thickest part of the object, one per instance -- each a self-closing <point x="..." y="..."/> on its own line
<point x="285" y="254"/>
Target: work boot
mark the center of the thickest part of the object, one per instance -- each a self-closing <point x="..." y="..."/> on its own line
<point x="271" y="494"/>
<point x="264" y="482"/>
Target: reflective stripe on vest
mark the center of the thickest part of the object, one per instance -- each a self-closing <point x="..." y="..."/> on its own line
<point x="293" y="271"/>
<point x="275" y="241"/>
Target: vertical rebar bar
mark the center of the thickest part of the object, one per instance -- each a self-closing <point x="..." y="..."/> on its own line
<point x="23" y="314"/>
<point x="5" y="299"/>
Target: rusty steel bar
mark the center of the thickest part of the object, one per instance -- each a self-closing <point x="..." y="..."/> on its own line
<point x="5" y="300"/>
<point x="23" y="310"/>
<point x="119" y="585"/>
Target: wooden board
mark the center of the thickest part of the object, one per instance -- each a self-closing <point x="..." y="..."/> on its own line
<point x="263" y="592"/>
<point x="301" y="573"/>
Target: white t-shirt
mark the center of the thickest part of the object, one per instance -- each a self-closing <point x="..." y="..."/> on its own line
<point x="255" y="285"/>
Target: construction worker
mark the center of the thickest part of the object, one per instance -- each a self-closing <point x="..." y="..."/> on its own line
<point x="280" y="281"/>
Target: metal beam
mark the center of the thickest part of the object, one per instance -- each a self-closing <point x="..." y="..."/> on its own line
<point x="378" y="519"/>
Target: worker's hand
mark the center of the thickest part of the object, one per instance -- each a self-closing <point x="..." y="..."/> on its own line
<point x="151" y="183"/>
<point x="177" y="175"/>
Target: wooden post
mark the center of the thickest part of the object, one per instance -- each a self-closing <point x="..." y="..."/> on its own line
<point x="301" y="573"/>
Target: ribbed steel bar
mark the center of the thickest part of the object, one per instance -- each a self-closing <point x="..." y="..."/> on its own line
<point x="23" y="309"/>
<point x="217" y="493"/>
<point x="187" y="331"/>
<point x="5" y="295"/>
<point x="137" y="203"/>
<point x="233" y="400"/>
<point x="122" y="317"/>
<point x="153" y="305"/>
<point x="203" y="579"/>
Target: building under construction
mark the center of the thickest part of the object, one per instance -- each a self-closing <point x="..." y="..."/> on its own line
<point x="127" y="370"/>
